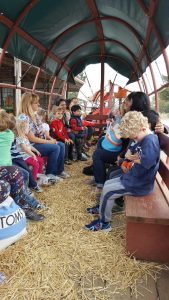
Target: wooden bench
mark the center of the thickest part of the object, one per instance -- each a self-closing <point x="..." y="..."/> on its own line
<point x="147" y="218"/>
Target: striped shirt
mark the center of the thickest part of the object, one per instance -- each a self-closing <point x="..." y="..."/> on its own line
<point x="14" y="151"/>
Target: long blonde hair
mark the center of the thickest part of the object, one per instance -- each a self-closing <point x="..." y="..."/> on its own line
<point x="26" y="105"/>
<point x="22" y="124"/>
<point x="21" y="128"/>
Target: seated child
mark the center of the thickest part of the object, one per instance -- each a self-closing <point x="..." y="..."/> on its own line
<point x="13" y="220"/>
<point x="52" y="113"/>
<point x="29" y="153"/>
<point x="139" y="180"/>
<point x="8" y="172"/>
<point x="42" y="115"/>
<point x="78" y="130"/>
<point x="60" y="134"/>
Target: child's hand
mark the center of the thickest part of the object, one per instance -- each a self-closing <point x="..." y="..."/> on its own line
<point x="119" y="161"/>
<point x="67" y="141"/>
<point x="34" y="156"/>
<point x="124" y="169"/>
<point x="133" y="157"/>
<point x="71" y="142"/>
<point x="37" y="152"/>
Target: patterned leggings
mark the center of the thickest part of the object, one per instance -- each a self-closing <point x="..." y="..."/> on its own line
<point x="13" y="177"/>
<point x="4" y="190"/>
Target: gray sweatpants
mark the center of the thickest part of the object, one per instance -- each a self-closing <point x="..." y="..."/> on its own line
<point x="112" y="190"/>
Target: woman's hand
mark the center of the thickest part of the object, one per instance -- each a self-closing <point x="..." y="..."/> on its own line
<point x="52" y="141"/>
<point x="159" y="128"/>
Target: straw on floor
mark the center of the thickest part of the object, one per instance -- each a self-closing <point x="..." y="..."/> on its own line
<point x="57" y="259"/>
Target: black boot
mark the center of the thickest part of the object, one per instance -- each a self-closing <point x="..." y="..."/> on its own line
<point x="32" y="215"/>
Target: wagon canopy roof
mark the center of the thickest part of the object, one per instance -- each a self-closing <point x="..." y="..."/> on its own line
<point x="63" y="37"/>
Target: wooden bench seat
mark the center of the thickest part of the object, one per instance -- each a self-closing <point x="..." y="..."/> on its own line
<point x="147" y="219"/>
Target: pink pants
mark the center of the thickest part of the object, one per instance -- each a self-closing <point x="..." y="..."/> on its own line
<point x="36" y="164"/>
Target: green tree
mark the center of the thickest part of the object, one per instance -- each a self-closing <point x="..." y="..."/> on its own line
<point x="72" y="95"/>
<point x="163" y="97"/>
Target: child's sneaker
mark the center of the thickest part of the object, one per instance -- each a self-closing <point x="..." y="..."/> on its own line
<point x="68" y="162"/>
<point x="91" y="182"/>
<point x="54" y="178"/>
<point x="117" y="209"/>
<point x="64" y="175"/>
<point x="84" y="156"/>
<point x="99" y="185"/>
<point x="37" y="189"/>
<point x="32" y="215"/>
<point x="97" y="225"/>
<point x="42" y="206"/>
<point x="93" y="210"/>
<point x="43" y="180"/>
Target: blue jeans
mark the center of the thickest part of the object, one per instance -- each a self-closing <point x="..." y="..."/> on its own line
<point x="100" y="158"/>
<point x="55" y="157"/>
<point x="90" y="131"/>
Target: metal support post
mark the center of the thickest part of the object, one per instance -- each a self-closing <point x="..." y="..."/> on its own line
<point x="102" y="87"/>
<point x="18" y="75"/>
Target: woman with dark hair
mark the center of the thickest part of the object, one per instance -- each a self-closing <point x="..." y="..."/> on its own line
<point x="138" y="101"/>
<point x="135" y="101"/>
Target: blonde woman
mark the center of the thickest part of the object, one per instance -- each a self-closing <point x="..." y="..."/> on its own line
<point x="53" y="150"/>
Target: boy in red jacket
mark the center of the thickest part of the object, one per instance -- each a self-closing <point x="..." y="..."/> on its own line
<point x="60" y="134"/>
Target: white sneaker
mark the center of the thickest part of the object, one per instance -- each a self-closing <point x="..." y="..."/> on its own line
<point x="64" y="175"/>
<point x="53" y="177"/>
<point x="43" y="180"/>
<point x="37" y="189"/>
<point x="42" y="206"/>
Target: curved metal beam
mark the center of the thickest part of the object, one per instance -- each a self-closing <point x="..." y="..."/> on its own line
<point x="36" y="79"/>
<point x="145" y="84"/>
<point x="139" y="85"/>
<point x="108" y="56"/>
<point x="8" y="23"/>
<point x="15" y="25"/>
<point x="98" y="24"/>
<point x="51" y="93"/>
<point x="155" y="87"/>
<point x="96" y="41"/>
<point x="152" y="25"/>
<point x="82" y="23"/>
<point x="100" y="35"/>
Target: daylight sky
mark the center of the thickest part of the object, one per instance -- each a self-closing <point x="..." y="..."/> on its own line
<point x="93" y="74"/>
